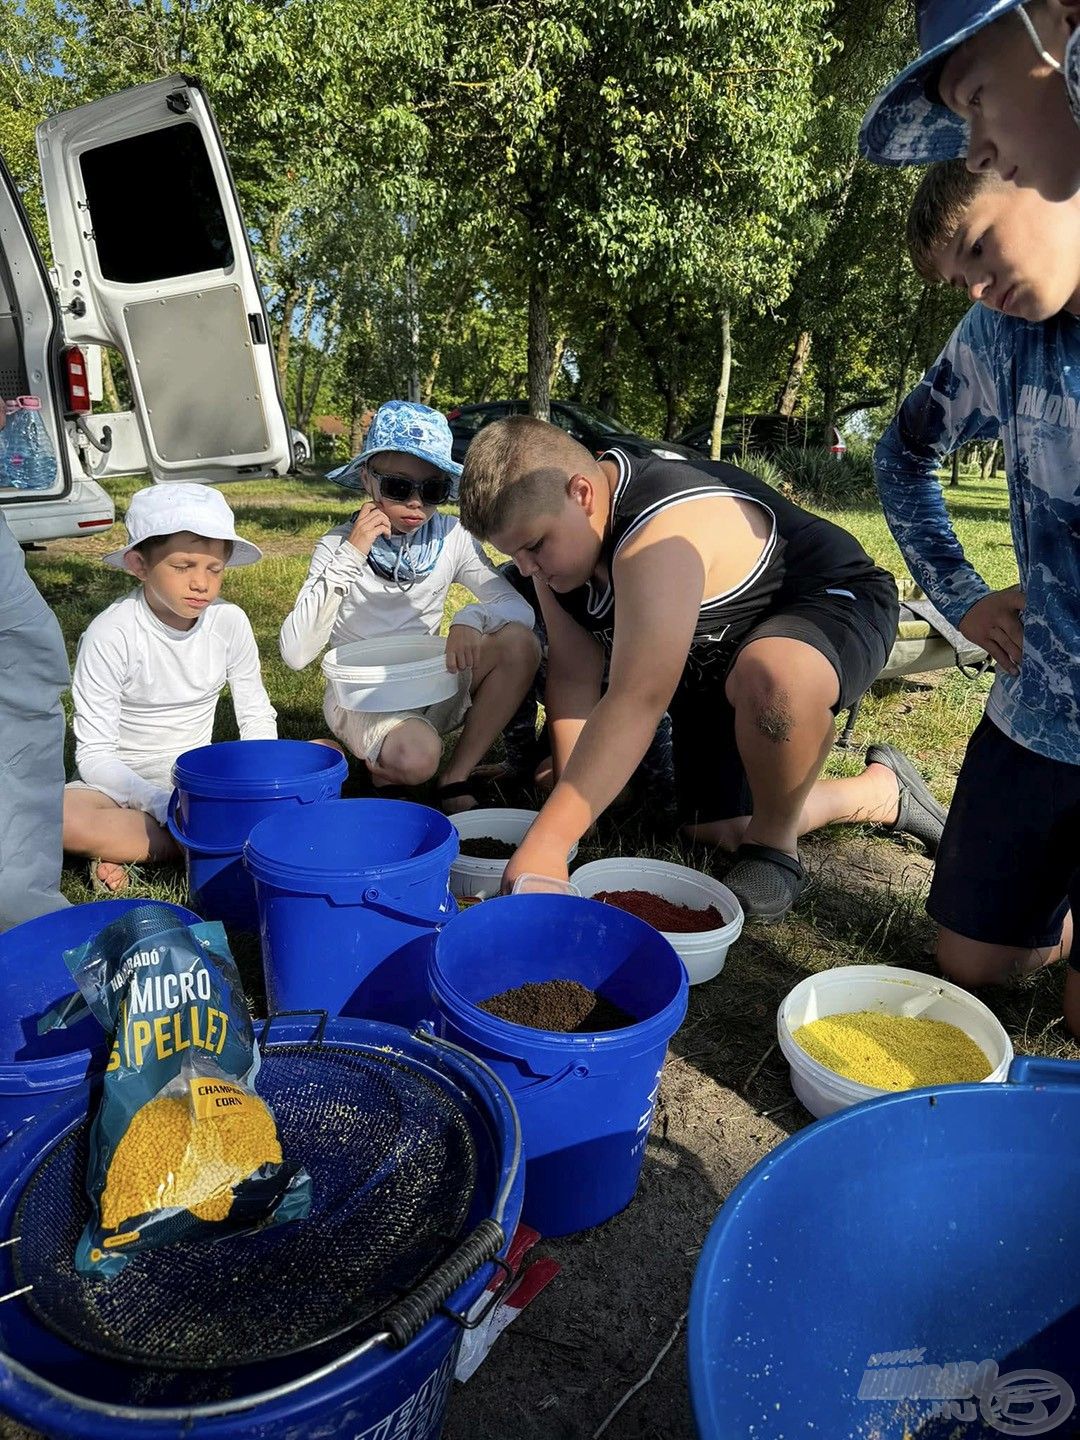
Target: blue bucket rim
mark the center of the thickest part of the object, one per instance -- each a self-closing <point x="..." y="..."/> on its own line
<point x="699" y="1354"/>
<point x="58" y="1072"/>
<point x="315" y="877"/>
<point x="220" y="787"/>
<point x="480" y="1025"/>
<point x="19" y="1158"/>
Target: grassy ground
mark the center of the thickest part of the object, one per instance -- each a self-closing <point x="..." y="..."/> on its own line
<point x="866" y="902"/>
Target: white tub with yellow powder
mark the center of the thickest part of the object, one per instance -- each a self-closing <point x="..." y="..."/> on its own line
<point x="879" y="990"/>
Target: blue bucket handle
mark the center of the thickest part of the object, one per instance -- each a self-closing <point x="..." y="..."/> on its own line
<point x="1039" y="1070"/>
<point x="172" y="824"/>
<point x="373" y="898"/>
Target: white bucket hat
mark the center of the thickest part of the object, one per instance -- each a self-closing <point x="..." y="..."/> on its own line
<point x="170" y="508"/>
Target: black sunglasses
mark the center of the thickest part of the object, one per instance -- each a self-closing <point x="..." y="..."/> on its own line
<point x="434" y="491"/>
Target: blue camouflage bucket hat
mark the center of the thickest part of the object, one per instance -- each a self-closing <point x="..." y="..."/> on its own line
<point x="904" y="126"/>
<point x="409" y="428"/>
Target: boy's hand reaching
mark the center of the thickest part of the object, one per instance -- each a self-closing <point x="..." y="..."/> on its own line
<point x="994" y="623"/>
<point x="535" y="857"/>
<point x="367" y="527"/>
<point x="462" y="648"/>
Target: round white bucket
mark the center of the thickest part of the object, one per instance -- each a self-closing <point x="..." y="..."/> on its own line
<point x="703" y="952"/>
<point x="472" y="875"/>
<point x="401" y="672"/>
<point x="896" y="992"/>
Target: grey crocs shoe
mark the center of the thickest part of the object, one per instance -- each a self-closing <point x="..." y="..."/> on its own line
<point x="920" y="815"/>
<point x="766" y="882"/>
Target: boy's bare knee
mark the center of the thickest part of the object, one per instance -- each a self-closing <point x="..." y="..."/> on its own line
<point x="974" y="962"/>
<point x="755" y="688"/>
<point x="410" y="754"/>
<point x="517" y="646"/>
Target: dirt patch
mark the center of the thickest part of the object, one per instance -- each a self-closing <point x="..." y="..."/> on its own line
<point x="561" y="1005"/>
<point x="662" y="914"/>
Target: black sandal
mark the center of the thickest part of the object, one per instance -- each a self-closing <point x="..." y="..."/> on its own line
<point x="919" y="814"/>
<point x="459" y="790"/>
<point x="767" y="882"/>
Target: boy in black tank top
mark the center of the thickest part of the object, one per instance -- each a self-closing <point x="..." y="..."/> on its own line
<point x="750" y="620"/>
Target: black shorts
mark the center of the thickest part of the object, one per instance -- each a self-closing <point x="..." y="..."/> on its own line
<point x="1008" y="866"/>
<point x="854" y="628"/>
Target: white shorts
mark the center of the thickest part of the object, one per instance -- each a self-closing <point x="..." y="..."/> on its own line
<point x="363" y="732"/>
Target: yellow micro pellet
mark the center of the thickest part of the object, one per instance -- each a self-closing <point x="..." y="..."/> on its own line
<point x="893" y="1052"/>
<point x="167" y="1158"/>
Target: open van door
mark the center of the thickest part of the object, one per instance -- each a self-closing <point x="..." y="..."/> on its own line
<point x="152" y="257"/>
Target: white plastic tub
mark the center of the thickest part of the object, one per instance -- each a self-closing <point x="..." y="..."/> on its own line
<point x="471" y="875"/>
<point x="703" y="952"/>
<point x="878" y="987"/>
<point x="402" y="672"/>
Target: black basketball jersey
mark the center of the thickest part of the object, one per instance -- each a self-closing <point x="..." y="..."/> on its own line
<point x="802" y="555"/>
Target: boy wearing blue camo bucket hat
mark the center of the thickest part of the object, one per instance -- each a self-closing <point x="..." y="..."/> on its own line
<point x="387" y="570"/>
<point x="998" y="81"/>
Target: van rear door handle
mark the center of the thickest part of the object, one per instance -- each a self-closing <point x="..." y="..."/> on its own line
<point x="258" y="329"/>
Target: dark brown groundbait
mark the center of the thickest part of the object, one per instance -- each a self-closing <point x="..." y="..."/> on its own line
<point x="563" y="1005"/>
<point x="663" y="914"/>
<point x="484" y="847"/>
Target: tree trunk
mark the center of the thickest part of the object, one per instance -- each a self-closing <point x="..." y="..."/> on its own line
<point x="720" y="407"/>
<point x="108" y="382"/>
<point x="540" y="347"/>
<point x="827" y="379"/>
<point x="786" y="400"/>
<point x="288" y="310"/>
<point x="989" y="460"/>
<point x="356" y="424"/>
<point x="427" y="385"/>
<point x="305" y="351"/>
<point x="954" y="478"/>
<point x="556" y="360"/>
<point x="607" y="398"/>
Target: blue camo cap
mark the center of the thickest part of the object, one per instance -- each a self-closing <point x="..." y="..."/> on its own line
<point x="904" y="126"/>
<point x="409" y="428"/>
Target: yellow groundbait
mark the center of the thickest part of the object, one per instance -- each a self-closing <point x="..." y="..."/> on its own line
<point x="181" y="1147"/>
<point x="893" y="1052"/>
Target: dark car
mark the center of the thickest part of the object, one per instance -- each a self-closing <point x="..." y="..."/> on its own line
<point x="597" y="431"/>
<point x="764" y="435"/>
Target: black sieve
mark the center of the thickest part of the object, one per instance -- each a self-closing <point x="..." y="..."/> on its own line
<point x="393" y="1168"/>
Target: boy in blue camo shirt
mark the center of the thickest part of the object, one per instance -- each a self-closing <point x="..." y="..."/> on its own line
<point x="1007" y="876"/>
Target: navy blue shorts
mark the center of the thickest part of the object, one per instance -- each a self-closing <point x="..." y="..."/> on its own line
<point x="1008" y="867"/>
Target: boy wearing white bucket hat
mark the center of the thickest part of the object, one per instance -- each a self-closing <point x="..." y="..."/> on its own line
<point x="997" y="82"/>
<point x="149" y="672"/>
<point x="387" y="570"/>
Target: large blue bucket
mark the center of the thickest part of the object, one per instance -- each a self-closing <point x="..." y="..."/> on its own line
<point x="67" y="1393"/>
<point x="35" y="1070"/>
<point x="909" y="1267"/>
<point x="222" y="792"/>
<point x="585" y="1101"/>
<point x="350" y="895"/>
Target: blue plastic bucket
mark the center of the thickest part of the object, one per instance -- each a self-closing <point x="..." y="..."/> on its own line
<point x="222" y="792"/>
<point x="35" y="1070"/>
<point x="908" y="1267"/>
<point x="66" y="1393"/>
<point x="350" y="895"/>
<point x="585" y="1101"/>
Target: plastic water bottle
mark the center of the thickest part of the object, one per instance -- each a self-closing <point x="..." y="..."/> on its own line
<point x="27" y="459"/>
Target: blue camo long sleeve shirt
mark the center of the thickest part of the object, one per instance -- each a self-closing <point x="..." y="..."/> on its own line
<point x="1001" y="376"/>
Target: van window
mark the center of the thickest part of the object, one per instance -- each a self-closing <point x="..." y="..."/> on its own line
<point x="155" y="207"/>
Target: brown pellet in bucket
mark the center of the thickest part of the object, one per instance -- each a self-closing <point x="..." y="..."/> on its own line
<point x="563" y="1005"/>
<point x="663" y="914"/>
<point x="485" y="847"/>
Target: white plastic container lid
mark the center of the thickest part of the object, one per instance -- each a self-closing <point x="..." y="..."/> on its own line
<point x="399" y="672"/>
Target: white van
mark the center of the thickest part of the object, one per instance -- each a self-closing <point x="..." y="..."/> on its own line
<point x="151" y="257"/>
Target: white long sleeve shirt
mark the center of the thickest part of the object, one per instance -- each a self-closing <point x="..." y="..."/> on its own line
<point x="145" y="693"/>
<point x="344" y="599"/>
